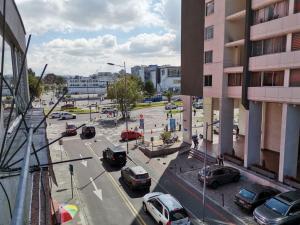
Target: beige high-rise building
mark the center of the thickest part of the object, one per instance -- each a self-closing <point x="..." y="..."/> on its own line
<point x="251" y="80"/>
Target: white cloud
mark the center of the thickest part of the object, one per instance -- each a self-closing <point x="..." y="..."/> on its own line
<point x="85" y="56"/>
<point x="68" y="15"/>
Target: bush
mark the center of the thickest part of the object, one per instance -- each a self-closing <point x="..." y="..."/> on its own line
<point x="165" y="135"/>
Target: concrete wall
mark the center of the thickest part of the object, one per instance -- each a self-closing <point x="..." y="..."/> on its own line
<point x="242" y="120"/>
<point x="272" y="126"/>
<point x="187" y="119"/>
<point x="208" y="116"/>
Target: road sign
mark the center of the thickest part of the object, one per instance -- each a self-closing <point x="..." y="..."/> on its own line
<point x="141" y="123"/>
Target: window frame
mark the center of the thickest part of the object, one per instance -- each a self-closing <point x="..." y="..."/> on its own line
<point x="211" y="29"/>
<point x="211" y="4"/>
<point x="207" y="80"/>
<point x="206" y="57"/>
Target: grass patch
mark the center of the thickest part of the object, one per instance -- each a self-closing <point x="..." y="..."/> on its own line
<point x="81" y="111"/>
<point x="153" y="104"/>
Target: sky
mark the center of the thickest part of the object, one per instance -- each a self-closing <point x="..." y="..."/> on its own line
<point x="79" y="37"/>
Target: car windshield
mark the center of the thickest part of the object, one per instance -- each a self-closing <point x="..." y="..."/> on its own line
<point x="247" y="194"/>
<point x="120" y="154"/>
<point x="178" y="214"/>
<point x="71" y="127"/>
<point x="142" y="176"/>
<point x="277" y="206"/>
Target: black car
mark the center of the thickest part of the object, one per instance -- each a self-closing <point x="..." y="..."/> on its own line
<point x="88" y="131"/>
<point x="254" y="195"/>
<point x="136" y="177"/>
<point x="218" y="175"/>
<point x="115" y="156"/>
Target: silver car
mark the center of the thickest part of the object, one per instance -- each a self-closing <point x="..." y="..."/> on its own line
<point x="281" y="209"/>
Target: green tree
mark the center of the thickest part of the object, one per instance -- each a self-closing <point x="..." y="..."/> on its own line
<point x="33" y="81"/>
<point x="169" y="95"/>
<point x="149" y="88"/>
<point x="125" y="97"/>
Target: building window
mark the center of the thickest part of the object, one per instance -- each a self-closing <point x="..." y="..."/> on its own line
<point x="207" y="80"/>
<point x="269" y="46"/>
<point x="297" y="6"/>
<point x="234" y="79"/>
<point x="255" y="79"/>
<point x="209" y="8"/>
<point x="295" y="78"/>
<point x="208" y="57"/>
<point x="271" y="12"/>
<point x="275" y="78"/>
<point x="296" y="41"/>
<point x="209" y="33"/>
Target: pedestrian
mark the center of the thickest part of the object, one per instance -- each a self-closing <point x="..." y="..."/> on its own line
<point x="237" y="133"/>
<point x="220" y="160"/>
<point x="194" y="112"/>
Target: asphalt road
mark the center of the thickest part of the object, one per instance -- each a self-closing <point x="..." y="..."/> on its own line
<point x="108" y="199"/>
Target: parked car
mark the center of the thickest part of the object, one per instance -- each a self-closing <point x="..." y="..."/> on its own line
<point x="105" y="110"/>
<point x="198" y="105"/>
<point x="88" y="131"/>
<point x="115" y="156"/>
<point x="165" y="209"/>
<point x="55" y="115"/>
<point x="281" y="209"/>
<point x="71" y="129"/>
<point x="136" y="177"/>
<point x="218" y="175"/>
<point x="254" y="195"/>
<point x="66" y="116"/>
<point x="170" y="106"/>
<point x="131" y="135"/>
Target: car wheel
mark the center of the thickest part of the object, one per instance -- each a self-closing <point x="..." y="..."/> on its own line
<point x="214" y="185"/>
<point x="145" y="207"/>
<point x="74" y="117"/>
<point x="236" y="179"/>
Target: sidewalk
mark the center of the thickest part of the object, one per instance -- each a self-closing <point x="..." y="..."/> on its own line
<point x="62" y="193"/>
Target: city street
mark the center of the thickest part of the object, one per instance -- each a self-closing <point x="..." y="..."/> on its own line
<point x="108" y="199"/>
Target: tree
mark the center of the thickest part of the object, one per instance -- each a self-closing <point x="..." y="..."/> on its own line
<point x="33" y="81"/>
<point x="169" y="95"/>
<point x="125" y="97"/>
<point x="149" y="88"/>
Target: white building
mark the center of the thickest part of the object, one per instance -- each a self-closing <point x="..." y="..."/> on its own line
<point x="163" y="77"/>
<point x="94" y="84"/>
<point x="169" y="79"/>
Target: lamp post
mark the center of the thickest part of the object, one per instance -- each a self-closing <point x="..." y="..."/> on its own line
<point x="205" y="159"/>
<point x="125" y="77"/>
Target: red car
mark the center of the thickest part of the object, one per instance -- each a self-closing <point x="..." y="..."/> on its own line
<point x="131" y="135"/>
<point x="71" y="129"/>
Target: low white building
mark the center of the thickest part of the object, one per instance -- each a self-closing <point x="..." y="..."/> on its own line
<point x="94" y="84"/>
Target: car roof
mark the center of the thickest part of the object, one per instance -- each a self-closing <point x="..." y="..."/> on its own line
<point x="169" y="202"/>
<point x="138" y="170"/>
<point x="117" y="149"/>
<point x="216" y="167"/>
<point x="289" y="197"/>
<point x="257" y="188"/>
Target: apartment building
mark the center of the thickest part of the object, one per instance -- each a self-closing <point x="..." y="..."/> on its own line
<point x="251" y="78"/>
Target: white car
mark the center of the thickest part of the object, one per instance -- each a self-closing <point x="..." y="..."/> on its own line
<point x="55" y="115"/>
<point x="170" y="106"/>
<point x="66" y="116"/>
<point x="165" y="209"/>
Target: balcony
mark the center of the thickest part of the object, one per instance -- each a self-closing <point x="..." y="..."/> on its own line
<point x="234" y="92"/>
<point x="281" y="26"/>
<point x="237" y="43"/>
<point x="275" y="94"/>
<point x="278" y="61"/>
<point x="236" y="16"/>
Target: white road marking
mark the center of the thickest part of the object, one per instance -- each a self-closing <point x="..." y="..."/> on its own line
<point x="97" y="192"/>
<point x="83" y="162"/>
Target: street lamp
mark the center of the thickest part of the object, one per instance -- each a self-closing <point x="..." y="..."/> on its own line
<point x="205" y="159"/>
<point x="124" y="67"/>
